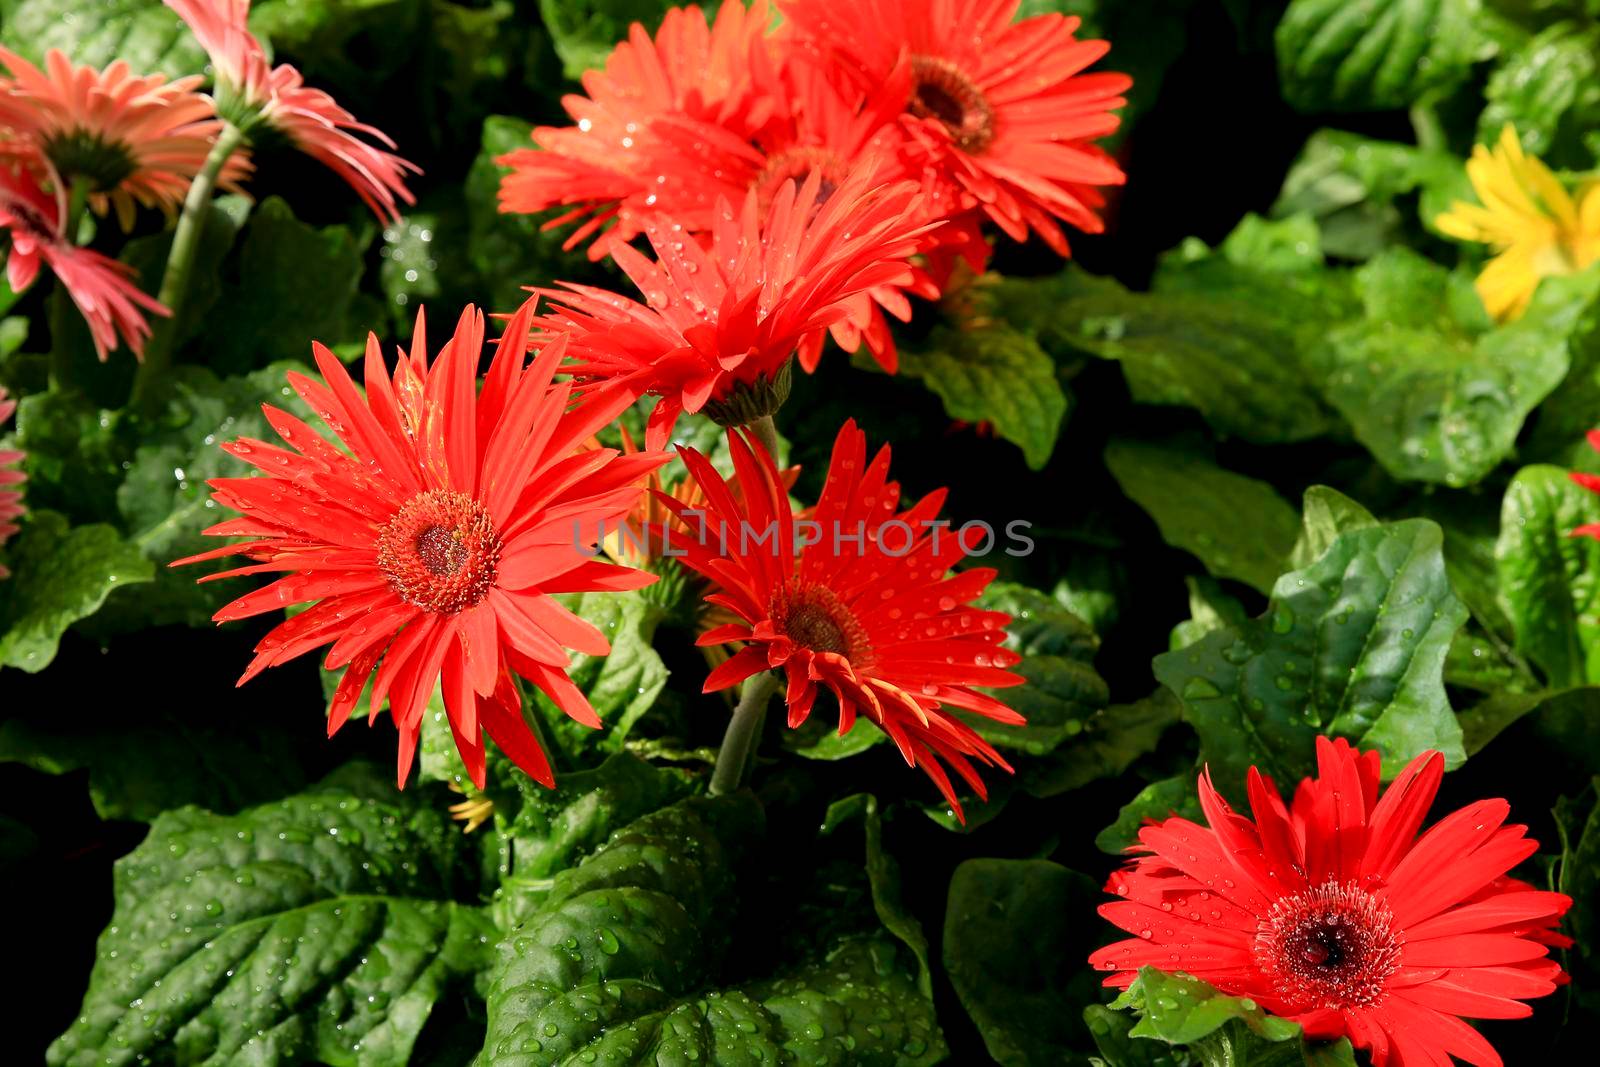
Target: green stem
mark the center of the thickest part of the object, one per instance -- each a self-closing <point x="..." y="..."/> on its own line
<point x="766" y="431"/>
<point x="744" y="729"/>
<point x="76" y="205"/>
<point x="1429" y="131"/>
<point x="180" y="260"/>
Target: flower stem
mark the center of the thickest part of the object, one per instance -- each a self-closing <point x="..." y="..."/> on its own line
<point x="76" y="205"/>
<point x="766" y="431"/>
<point x="744" y="729"/>
<point x="181" y="258"/>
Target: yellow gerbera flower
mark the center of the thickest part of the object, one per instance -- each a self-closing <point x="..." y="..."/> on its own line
<point x="1529" y="218"/>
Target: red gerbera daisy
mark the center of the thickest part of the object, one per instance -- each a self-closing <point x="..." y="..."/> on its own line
<point x="1003" y="110"/>
<point x="722" y="322"/>
<point x="11" y="507"/>
<point x="1332" y="912"/>
<point x="600" y="166"/>
<point x="134" y="139"/>
<point x="102" y="288"/>
<point x="251" y="90"/>
<point x="863" y="605"/>
<point x="431" y="549"/>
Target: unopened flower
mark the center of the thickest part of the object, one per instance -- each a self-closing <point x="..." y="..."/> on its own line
<point x="885" y="627"/>
<point x="1003" y="110"/>
<point x="251" y="91"/>
<point x="1526" y="215"/>
<point x="430" y="546"/>
<point x="1331" y="910"/>
<point x="133" y="139"/>
<point x="101" y="287"/>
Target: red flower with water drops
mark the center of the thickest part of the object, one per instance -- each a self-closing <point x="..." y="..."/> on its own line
<point x="430" y="545"/>
<point x="601" y="167"/>
<point x="1003" y="110"/>
<point x="251" y="90"/>
<point x="722" y="321"/>
<point x="863" y="603"/>
<point x="11" y="479"/>
<point x="1333" y="912"/>
<point x="102" y="288"/>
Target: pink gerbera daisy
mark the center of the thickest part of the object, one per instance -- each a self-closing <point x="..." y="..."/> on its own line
<point x="430" y="546"/>
<point x="1332" y="912"/>
<point x="251" y="90"/>
<point x="133" y="139"/>
<point x="101" y="287"/>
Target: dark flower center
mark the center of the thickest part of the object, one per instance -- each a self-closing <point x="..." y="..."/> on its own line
<point x="440" y="551"/>
<point x="796" y="164"/>
<point x="1329" y="947"/>
<point x="814" y="618"/>
<point x="940" y="91"/>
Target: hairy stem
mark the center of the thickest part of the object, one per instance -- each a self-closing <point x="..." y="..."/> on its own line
<point x="766" y="431"/>
<point x="744" y="729"/>
<point x="175" y="283"/>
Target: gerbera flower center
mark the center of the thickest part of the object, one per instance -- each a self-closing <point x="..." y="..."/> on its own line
<point x="797" y="164"/>
<point x="1333" y="946"/>
<point x="80" y="153"/>
<point x="440" y="551"/>
<point x="940" y="91"/>
<point x="813" y="617"/>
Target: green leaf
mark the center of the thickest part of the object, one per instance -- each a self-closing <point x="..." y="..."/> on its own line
<point x="1549" y="90"/>
<point x="1111" y="740"/>
<point x="346" y="46"/>
<point x="164" y="498"/>
<point x="59" y="575"/>
<point x="585" y="31"/>
<point x="296" y="283"/>
<point x="1014" y="948"/>
<point x="426" y="263"/>
<point x="1238" y="527"/>
<point x="148" y="255"/>
<point x="145" y="33"/>
<point x="1352" y="646"/>
<point x="819" y="739"/>
<point x="1353" y="187"/>
<point x="994" y="374"/>
<point x="1578" y="823"/>
<point x="1209" y="609"/>
<point x="883" y="874"/>
<point x="1442" y="408"/>
<point x="547" y="831"/>
<point x="319" y="928"/>
<point x="1484" y="721"/>
<point x="1157" y="801"/>
<point x="623" y="685"/>
<point x="1549" y="579"/>
<point x="620" y="957"/>
<point x="74" y="460"/>
<point x="1374" y="55"/>
<point x="1286" y="244"/>
<point x="1222" y="339"/>
<point x="1061" y="688"/>
<point x="1325" y="514"/>
<point x="159" y="756"/>
<point x="1219" y="1030"/>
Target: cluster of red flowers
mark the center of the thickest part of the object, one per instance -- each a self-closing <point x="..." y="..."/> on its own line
<point x="73" y="137"/>
<point x="790" y="189"/>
